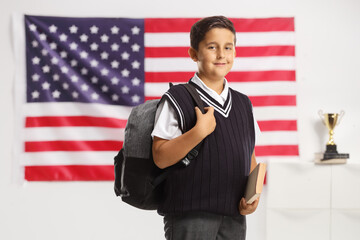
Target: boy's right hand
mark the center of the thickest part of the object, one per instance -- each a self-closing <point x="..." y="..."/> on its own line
<point x="206" y="122"/>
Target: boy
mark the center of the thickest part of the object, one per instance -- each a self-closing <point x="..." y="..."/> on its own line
<point x="205" y="200"/>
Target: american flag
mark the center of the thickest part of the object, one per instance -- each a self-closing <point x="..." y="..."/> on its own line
<point x="83" y="76"/>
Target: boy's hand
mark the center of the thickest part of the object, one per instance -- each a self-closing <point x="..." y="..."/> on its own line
<point x="206" y="122"/>
<point x="245" y="208"/>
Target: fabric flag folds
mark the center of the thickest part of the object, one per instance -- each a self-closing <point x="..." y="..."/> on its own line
<point x="80" y="77"/>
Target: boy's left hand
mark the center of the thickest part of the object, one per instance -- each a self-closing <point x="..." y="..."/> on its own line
<point x="245" y="208"/>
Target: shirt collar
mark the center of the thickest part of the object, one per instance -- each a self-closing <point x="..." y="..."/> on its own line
<point x="219" y="98"/>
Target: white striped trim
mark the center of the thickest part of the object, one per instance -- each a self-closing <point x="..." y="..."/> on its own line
<point x="178" y="109"/>
<point x="225" y="112"/>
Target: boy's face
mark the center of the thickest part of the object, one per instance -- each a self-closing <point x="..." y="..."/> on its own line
<point x="215" y="55"/>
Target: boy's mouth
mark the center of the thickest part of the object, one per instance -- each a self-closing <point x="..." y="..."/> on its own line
<point x="219" y="64"/>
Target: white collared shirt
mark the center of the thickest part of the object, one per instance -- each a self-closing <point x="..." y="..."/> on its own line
<point x="166" y="125"/>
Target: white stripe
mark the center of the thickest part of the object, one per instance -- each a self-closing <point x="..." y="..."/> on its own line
<point x="68" y="158"/>
<point x="275" y="113"/>
<point x="248" y="88"/>
<point x="283" y="158"/>
<point x="278" y="138"/>
<point x="178" y="109"/>
<point x="243" y="39"/>
<point x="240" y="64"/>
<point x="73" y="134"/>
<point x="265" y="88"/>
<point x="76" y="109"/>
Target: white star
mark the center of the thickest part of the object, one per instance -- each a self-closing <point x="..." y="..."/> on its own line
<point x="94" y="47"/>
<point x="45" y="85"/>
<point x="135" y="98"/>
<point x="84" y="87"/>
<point x="63" y="37"/>
<point x="114" y="64"/>
<point x="35" y="44"/>
<point x="54" y="60"/>
<point x="56" y="77"/>
<point x="94" y="63"/>
<point x="135" y="30"/>
<point x="125" y="56"/>
<point x="74" y="78"/>
<point x="114" y="47"/>
<point x="35" y="60"/>
<point x="56" y="94"/>
<point x="53" y="46"/>
<point x="44" y="52"/>
<point x="35" y="94"/>
<point x="35" y="77"/>
<point x="104" y="88"/>
<point x="75" y="94"/>
<point x="125" y="38"/>
<point x="115" y="97"/>
<point x="46" y="69"/>
<point x="84" y="54"/>
<point x="135" y="64"/>
<point x="125" y="73"/>
<point x="74" y="63"/>
<point x="32" y="27"/>
<point x="73" y="29"/>
<point x="94" y="80"/>
<point x="84" y="38"/>
<point x="53" y="28"/>
<point x="84" y="71"/>
<point x="104" y="38"/>
<point x="95" y="96"/>
<point x="73" y="46"/>
<point x="114" y="30"/>
<point x="135" y="82"/>
<point x="104" y="72"/>
<point x="114" y="81"/>
<point x="64" y="69"/>
<point x="94" y="29"/>
<point x="135" y="47"/>
<point x="125" y="90"/>
<point x="65" y="86"/>
<point x="63" y="54"/>
<point x="42" y="36"/>
<point x="104" y="55"/>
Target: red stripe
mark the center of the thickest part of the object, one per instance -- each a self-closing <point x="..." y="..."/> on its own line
<point x="278" y="150"/>
<point x="44" y="146"/>
<point x="70" y="173"/>
<point x="168" y="52"/>
<point x="75" y="121"/>
<point x="261" y="101"/>
<point x="278" y="125"/>
<point x="251" y="76"/>
<point x="154" y="25"/>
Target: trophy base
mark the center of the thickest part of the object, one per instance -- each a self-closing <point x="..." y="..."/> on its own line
<point x="331" y="153"/>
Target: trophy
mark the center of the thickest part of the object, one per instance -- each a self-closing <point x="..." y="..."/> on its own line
<point x="331" y="120"/>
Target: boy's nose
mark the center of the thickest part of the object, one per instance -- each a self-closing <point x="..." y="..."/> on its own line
<point x="220" y="54"/>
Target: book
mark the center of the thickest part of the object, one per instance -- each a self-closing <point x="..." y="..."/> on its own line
<point x="255" y="183"/>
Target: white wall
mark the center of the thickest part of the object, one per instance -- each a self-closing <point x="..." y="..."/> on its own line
<point x="327" y="56"/>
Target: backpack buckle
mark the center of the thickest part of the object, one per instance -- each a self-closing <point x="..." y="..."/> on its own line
<point x="190" y="156"/>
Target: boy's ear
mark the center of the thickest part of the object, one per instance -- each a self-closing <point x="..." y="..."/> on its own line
<point x="193" y="54"/>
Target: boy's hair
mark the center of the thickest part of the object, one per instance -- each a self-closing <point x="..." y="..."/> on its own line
<point x="201" y="27"/>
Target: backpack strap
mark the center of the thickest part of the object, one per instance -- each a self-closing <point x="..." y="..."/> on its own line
<point x="195" y="151"/>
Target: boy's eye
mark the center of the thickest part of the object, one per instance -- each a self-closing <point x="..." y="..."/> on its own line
<point x="211" y="47"/>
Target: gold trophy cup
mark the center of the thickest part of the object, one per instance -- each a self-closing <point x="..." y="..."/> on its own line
<point x="331" y="120"/>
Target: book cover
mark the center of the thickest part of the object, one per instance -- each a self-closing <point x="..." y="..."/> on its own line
<point x="255" y="183"/>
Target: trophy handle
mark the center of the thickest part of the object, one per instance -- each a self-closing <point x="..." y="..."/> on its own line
<point x="342" y="113"/>
<point x="321" y="115"/>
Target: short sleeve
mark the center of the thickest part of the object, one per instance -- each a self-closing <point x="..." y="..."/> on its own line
<point x="166" y="125"/>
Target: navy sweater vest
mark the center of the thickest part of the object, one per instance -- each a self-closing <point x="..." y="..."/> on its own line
<point x="215" y="181"/>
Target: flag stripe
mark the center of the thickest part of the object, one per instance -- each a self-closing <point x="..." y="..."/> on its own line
<point x="83" y="121"/>
<point x="161" y="52"/>
<point x="243" y="76"/>
<point x="240" y="24"/>
<point x="279" y="125"/>
<point x="40" y="146"/>
<point x="278" y="150"/>
<point x="70" y="173"/>
<point x="262" y="101"/>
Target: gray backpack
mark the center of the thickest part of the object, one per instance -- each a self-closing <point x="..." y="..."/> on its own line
<point x="138" y="181"/>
